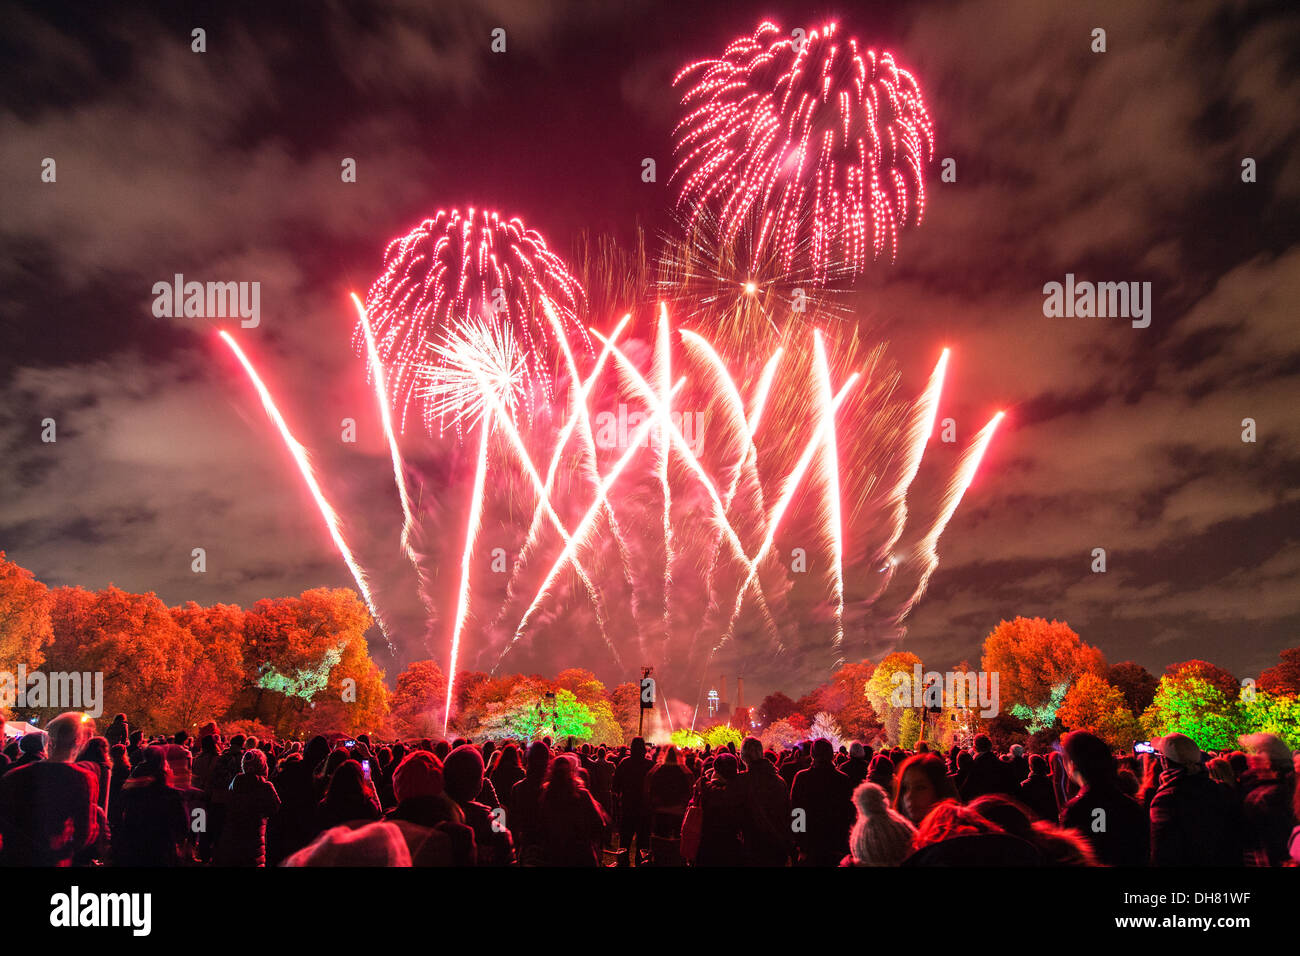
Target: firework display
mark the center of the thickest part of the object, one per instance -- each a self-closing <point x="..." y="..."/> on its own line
<point x="817" y="143"/>
<point x="460" y="266"/>
<point x="649" y="482"/>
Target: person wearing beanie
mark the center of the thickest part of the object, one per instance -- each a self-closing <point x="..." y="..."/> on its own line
<point x="462" y="774"/>
<point x="1195" y="821"/>
<point x="1267" y="793"/>
<point x="881" y="836"/>
<point x="431" y="822"/>
<point x="857" y="766"/>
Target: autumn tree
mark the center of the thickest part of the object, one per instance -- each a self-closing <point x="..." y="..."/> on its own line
<point x="1098" y="707"/>
<point x="1277" y="714"/>
<point x="1135" y="682"/>
<point x="1210" y="673"/>
<point x="855" y="713"/>
<point x="132" y="639"/>
<point x="1034" y="657"/>
<point x="25" y="626"/>
<point x="776" y="707"/>
<point x="216" y="673"/>
<point x="312" y="668"/>
<point x="625" y="701"/>
<point x="1283" y="678"/>
<point x="883" y="691"/>
<point x="419" y="700"/>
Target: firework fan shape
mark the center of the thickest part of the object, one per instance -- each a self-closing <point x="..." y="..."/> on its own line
<point x="457" y="267"/>
<point x="823" y="143"/>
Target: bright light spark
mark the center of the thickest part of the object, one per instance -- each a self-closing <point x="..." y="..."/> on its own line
<point x="830" y="476"/>
<point x="967" y="465"/>
<point x="303" y="462"/>
<point x="471" y="537"/>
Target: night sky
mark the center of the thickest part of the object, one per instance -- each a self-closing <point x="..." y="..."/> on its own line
<point x="1120" y="166"/>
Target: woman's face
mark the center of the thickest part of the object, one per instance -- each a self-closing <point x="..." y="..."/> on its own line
<point x="916" y="795"/>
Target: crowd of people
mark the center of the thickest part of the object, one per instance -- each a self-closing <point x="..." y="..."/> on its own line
<point x="69" y="797"/>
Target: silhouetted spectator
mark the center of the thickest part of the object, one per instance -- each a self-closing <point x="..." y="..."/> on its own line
<point x="825" y="795"/>
<point x="1194" y="821"/>
<point x="1115" y="825"/>
<point x="881" y="836"/>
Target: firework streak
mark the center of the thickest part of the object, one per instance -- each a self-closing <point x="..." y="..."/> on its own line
<point x="309" y="476"/>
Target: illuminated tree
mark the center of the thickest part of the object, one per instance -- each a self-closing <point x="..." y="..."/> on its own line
<point x="625" y="701"/>
<point x="1193" y="706"/>
<point x="880" y="691"/>
<point x="1283" y="678"/>
<point x="1210" y="673"/>
<point x="25" y="626"/>
<point x="527" y="715"/>
<point x="1033" y="657"/>
<point x="824" y="725"/>
<point x="1277" y="714"/>
<point x="1043" y="717"/>
<point x="909" y="728"/>
<point x="855" y="714"/>
<point x="583" y="683"/>
<point x="419" y="700"/>
<point x="1098" y="707"/>
<point x="686" y="738"/>
<point x="216" y="673"/>
<point x="781" y="736"/>
<point x="311" y="667"/>
<point x="135" y="643"/>
<point x="720" y="735"/>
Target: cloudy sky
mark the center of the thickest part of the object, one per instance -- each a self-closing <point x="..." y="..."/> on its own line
<point x="1116" y="166"/>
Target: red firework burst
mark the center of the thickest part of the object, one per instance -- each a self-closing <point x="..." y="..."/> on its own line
<point x="815" y="145"/>
<point x="465" y="266"/>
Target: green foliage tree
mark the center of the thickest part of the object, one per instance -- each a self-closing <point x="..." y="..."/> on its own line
<point x="1193" y="706"/>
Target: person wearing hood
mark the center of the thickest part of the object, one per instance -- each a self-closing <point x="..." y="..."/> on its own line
<point x="250" y="801"/>
<point x="1195" y="821"/>
<point x="1267" y="794"/>
<point x="1037" y="793"/>
<point x="1121" y="839"/>
<point x="463" y="773"/>
<point x="155" y="824"/>
<point x="431" y="822"/>
<point x="634" y="808"/>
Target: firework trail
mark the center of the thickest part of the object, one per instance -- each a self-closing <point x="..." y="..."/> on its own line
<point x="579" y="535"/>
<point x="967" y="465"/>
<point x="399" y="469"/>
<point x="458" y="265"/>
<point x="662" y="415"/>
<point x="471" y="537"/>
<point x="792" y="482"/>
<point x="662" y="373"/>
<point x="814" y="139"/>
<point x="506" y="424"/>
<point x="830" y="479"/>
<point x="919" y="429"/>
<point x="739" y="423"/>
<point x="303" y="462"/>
